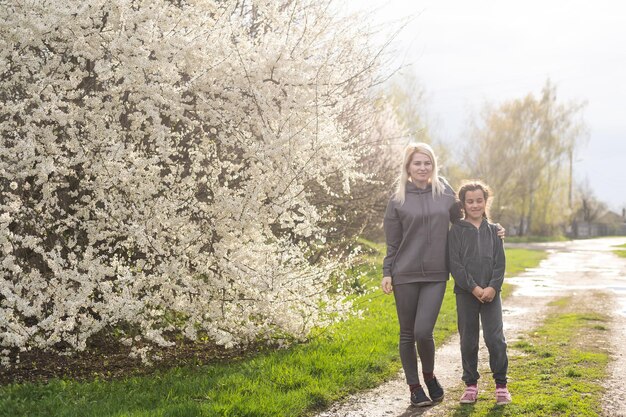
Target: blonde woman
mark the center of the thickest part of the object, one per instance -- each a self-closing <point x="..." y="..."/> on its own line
<point x="415" y="268"/>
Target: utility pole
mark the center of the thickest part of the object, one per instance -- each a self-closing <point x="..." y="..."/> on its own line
<point x="571" y="171"/>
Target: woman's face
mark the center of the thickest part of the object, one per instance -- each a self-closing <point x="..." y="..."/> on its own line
<point x="420" y="169"/>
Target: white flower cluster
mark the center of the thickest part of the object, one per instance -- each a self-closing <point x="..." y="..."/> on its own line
<point x="156" y="165"/>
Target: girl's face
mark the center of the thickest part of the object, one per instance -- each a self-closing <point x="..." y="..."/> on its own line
<point x="474" y="205"/>
<point x="420" y="169"/>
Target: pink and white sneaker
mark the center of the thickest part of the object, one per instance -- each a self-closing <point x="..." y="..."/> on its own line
<point x="503" y="396"/>
<point x="470" y="395"/>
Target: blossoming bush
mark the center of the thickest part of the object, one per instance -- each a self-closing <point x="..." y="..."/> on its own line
<point x="159" y="163"/>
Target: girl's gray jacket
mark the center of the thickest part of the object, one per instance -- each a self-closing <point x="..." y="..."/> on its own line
<point x="416" y="233"/>
<point x="476" y="256"/>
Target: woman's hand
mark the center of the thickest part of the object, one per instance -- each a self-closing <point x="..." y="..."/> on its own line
<point x="501" y="231"/>
<point x="386" y="285"/>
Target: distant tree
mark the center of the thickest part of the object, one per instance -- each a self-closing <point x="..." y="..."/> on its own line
<point x="587" y="207"/>
<point x="408" y="99"/>
<point x="522" y="149"/>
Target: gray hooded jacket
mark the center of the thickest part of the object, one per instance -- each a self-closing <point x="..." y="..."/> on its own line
<point x="476" y="256"/>
<point x="416" y="233"/>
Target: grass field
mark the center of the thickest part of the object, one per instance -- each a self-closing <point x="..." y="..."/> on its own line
<point x="518" y="260"/>
<point x="358" y="353"/>
<point x="535" y="239"/>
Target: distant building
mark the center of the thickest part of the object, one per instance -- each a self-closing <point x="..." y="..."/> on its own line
<point x="607" y="224"/>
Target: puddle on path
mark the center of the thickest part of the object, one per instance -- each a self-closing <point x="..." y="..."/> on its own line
<point x="576" y="270"/>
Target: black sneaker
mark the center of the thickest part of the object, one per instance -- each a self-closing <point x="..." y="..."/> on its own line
<point x="419" y="398"/>
<point x="434" y="390"/>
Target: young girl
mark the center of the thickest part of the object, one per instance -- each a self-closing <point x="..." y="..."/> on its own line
<point x="477" y="264"/>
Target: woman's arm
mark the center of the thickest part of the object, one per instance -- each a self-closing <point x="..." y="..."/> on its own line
<point x="393" y="236"/>
<point x="456" y="212"/>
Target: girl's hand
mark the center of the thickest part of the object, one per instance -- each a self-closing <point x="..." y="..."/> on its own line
<point x="478" y="293"/>
<point x="501" y="231"/>
<point x="386" y="285"/>
<point x="488" y="295"/>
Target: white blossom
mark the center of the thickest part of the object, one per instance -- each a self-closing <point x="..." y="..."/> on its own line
<point x="161" y="158"/>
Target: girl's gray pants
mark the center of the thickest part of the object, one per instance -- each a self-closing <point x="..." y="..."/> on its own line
<point x="470" y="314"/>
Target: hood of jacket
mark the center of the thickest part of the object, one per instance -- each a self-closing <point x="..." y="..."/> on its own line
<point x="413" y="189"/>
<point x="465" y="224"/>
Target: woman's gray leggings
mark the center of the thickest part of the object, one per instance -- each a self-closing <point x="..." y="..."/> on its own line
<point x="418" y="305"/>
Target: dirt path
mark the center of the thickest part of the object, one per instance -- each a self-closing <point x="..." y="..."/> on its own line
<point x="573" y="268"/>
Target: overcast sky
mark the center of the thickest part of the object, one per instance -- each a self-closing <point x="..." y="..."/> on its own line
<point x="466" y="52"/>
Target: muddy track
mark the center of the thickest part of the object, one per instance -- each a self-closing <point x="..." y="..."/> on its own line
<point x="577" y="268"/>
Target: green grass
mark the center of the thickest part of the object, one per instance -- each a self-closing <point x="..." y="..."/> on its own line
<point x="518" y="260"/>
<point x="620" y="252"/>
<point x="536" y="239"/>
<point x="555" y="371"/>
<point x="353" y="355"/>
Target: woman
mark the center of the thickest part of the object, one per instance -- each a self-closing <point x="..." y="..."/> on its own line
<point x="415" y="269"/>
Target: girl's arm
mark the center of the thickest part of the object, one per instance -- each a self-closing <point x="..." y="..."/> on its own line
<point x="462" y="278"/>
<point x="499" y="262"/>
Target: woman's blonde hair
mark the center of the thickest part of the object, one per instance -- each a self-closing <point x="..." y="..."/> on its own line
<point x="438" y="184"/>
<point x="473" y="185"/>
